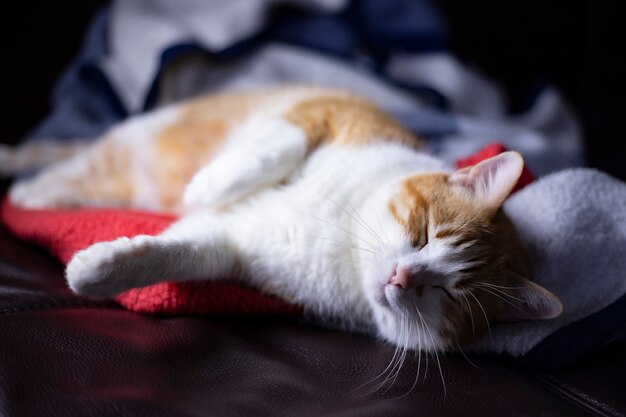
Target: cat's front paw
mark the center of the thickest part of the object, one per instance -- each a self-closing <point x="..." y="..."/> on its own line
<point x="88" y="271"/>
<point x="107" y="269"/>
<point x="223" y="182"/>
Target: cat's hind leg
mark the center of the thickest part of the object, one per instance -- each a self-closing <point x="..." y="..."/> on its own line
<point x="29" y="157"/>
<point x="98" y="176"/>
<point x="196" y="247"/>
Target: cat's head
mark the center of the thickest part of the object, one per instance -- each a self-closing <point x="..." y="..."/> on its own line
<point x="447" y="262"/>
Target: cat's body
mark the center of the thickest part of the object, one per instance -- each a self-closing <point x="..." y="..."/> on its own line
<point x="311" y="195"/>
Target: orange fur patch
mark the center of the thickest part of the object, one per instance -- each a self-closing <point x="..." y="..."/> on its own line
<point x="348" y="120"/>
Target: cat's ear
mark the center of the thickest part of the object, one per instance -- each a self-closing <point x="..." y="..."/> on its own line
<point x="527" y="300"/>
<point x="491" y="181"/>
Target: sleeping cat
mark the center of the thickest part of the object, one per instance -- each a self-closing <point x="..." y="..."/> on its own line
<point x="314" y="196"/>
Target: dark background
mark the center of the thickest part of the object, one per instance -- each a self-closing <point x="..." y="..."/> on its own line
<point x="574" y="44"/>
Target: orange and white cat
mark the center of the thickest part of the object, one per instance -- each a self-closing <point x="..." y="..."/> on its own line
<point x="312" y="195"/>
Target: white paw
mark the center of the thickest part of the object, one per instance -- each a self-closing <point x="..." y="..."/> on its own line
<point x="226" y="180"/>
<point x="106" y="269"/>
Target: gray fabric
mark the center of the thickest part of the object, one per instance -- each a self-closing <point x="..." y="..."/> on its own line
<point x="574" y="225"/>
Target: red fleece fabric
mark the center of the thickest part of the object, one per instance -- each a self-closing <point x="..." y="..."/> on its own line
<point x="64" y="232"/>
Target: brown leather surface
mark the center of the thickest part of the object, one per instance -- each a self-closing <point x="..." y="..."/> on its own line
<point x="67" y="356"/>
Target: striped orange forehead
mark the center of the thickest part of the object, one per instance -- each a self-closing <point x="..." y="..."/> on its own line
<point x="426" y="205"/>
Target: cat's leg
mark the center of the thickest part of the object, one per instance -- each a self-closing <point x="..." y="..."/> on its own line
<point x="55" y="186"/>
<point x="32" y="156"/>
<point x="98" y="176"/>
<point x="262" y="152"/>
<point x="196" y="247"/>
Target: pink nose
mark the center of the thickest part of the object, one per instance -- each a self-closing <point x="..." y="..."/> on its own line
<point x="402" y="278"/>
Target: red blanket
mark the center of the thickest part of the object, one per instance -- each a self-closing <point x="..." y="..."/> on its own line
<point x="63" y="232"/>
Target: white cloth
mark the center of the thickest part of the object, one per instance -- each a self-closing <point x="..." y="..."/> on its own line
<point x="141" y="30"/>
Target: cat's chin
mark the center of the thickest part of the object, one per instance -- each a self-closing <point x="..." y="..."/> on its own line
<point x="399" y="300"/>
<point x="406" y="325"/>
<point x="409" y="303"/>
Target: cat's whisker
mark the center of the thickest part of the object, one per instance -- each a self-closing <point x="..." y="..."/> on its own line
<point x="394" y="371"/>
<point x="484" y="285"/>
<point x="505" y="294"/>
<point x="369" y="255"/>
<point x="405" y="347"/>
<point x="371" y="229"/>
<point x="360" y="222"/>
<point x="386" y="375"/>
<point x="387" y="383"/>
<point x="469" y="308"/>
<point x="443" y="381"/>
<point x="484" y="312"/>
<point x="425" y="327"/>
<point x="345" y="244"/>
<point x="503" y="299"/>
<point x="498" y="286"/>
<point x="389" y="368"/>
<point x="432" y="339"/>
<point x="382" y="230"/>
<point x="418" y="353"/>
<point x="336" y="227"/>
<point x="392" y="363"/>
<point x="405" y="343"/>
<point x="460" y="349"/>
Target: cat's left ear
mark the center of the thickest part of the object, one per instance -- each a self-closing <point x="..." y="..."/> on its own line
<point x="527" y="300"/>
<point x="491" y="181"/>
